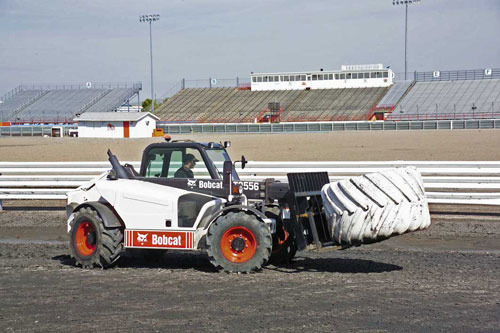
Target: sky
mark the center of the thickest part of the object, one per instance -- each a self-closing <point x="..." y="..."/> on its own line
<point x="67" y="41"/>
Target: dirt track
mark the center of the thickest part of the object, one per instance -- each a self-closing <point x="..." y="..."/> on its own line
<point x="443" y="279"/>
<point x="468" y="145"/>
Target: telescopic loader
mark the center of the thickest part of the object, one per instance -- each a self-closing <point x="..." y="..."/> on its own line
<point x="242" y="225"/>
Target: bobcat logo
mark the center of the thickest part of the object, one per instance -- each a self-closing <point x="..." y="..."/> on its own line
<point x="142" y="238"/>
<point x="191" y="183"/>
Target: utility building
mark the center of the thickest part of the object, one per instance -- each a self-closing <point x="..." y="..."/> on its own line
<point x="116" y="124"/>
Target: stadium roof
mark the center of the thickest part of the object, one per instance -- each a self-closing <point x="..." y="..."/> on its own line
<point x="114" y="116"/>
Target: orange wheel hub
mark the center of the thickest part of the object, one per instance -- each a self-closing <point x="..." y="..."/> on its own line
<point x="238" y="244"/>
<point x="85" y="239"/>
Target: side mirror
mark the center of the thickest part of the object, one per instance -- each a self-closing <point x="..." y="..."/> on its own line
<point x="226" y="174"/>
<point x="243" y="162"/>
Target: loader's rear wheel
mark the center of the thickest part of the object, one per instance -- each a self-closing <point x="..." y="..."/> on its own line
<point x="91" y="243"/>
<point x="239" y="242"/>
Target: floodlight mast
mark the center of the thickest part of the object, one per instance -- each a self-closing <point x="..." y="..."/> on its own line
<point x="406" y="3"/>
<point x="151" y="18"/>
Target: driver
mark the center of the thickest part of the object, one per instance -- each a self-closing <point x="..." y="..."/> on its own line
<point x="188" y="163"/>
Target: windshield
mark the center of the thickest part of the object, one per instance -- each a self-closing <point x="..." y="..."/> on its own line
<point x="218" y="156"/>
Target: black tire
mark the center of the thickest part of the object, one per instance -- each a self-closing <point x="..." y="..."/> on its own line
<point x="249" y="233"/>
<point x="284" y="246"/>
<point x="91" y="243"/>
<point x="283" y="253"/>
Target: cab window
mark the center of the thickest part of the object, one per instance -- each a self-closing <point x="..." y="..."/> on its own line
<point x="155" y="165"/>
<point x="175" y="163"/>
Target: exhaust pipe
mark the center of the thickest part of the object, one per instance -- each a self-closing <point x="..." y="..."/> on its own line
<point x="120" y="171"/>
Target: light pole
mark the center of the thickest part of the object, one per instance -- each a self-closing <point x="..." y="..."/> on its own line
<point x="406" y="3"/>
<point x="150" y="19"/>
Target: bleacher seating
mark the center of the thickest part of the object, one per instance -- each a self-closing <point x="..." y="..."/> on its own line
<point x="112" y="100"/>
<point x="233" y="105"/>
<point x="335" y="104"/>
<point x="60" y="103"/>
<point x="460" y="99"/>
<point x="394" y="94"/>
<point x="11" y="106"/>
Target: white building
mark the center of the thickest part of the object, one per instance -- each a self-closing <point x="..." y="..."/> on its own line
<point x="116" y="124"/>
<point x="350" y="76"/>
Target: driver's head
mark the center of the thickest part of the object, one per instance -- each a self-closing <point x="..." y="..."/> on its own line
<point x="189" y="161"/>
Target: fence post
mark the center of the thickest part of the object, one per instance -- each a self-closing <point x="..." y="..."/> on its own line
<point x="210" y="82"/>
<point x="237" y="82"/>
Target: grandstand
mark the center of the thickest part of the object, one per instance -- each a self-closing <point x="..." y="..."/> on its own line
<point x="359" y="93"/>
<point x="233" y="105"/>
<point x="60" y="103"/>
<point x="450" y="95"/>
<point x="463" y="94"/>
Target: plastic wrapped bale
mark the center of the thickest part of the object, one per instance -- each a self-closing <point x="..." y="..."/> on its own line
<point x="376" y="206"/>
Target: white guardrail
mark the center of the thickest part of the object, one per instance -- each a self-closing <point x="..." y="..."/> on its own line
<point x="450" y="182"/>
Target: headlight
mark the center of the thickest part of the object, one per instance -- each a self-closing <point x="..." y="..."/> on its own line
<point x="237" y="189"/>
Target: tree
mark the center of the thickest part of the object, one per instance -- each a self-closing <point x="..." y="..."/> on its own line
<point x="146" y="105"/>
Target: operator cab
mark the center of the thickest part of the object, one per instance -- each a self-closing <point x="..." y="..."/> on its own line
<point x="180" y="159"/>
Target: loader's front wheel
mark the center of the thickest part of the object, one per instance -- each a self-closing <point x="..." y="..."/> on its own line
<point x="284" y="248"/>
<point x="239" y="242"/>
<point x="91" y="243"/>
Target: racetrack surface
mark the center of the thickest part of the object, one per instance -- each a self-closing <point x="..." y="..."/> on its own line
<point x="446" y="278"/>
<point x="459" y="145"/>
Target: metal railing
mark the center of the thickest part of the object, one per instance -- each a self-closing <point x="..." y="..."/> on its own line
<point x="330" y="126"/>
<point x="395" y="116"/>
<point x="36" y="130"/>
<point x="450" y="182"/>
<point x="75" y="86"/>
<point x="93" y="101"/>
<point x="26" y="104"/>
<point x="473" y="74"/>
<point x="214" y="83"/>
<point x="264" y="128"/>
<point x="10" y="94"/>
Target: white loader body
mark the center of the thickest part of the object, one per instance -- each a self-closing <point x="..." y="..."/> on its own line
<point x="146" y="209"/>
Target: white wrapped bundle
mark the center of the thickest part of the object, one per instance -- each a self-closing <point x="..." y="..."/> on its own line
<point x="376" y="206"/>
